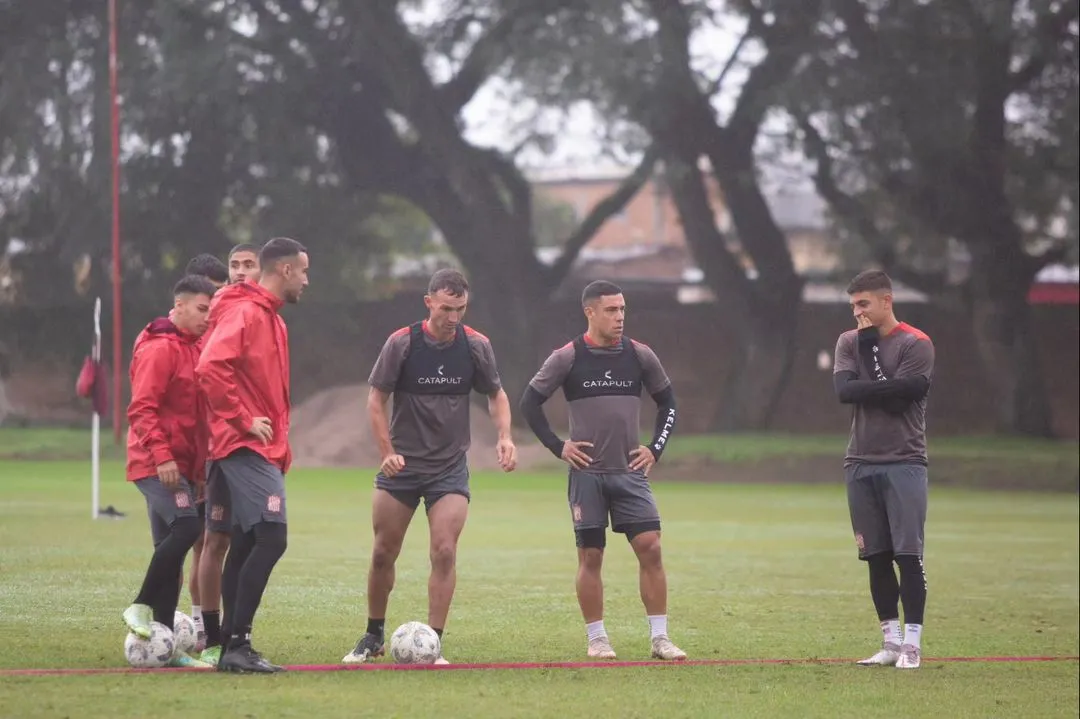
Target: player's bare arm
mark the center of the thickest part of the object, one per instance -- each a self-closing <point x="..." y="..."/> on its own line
<point x="392" y="462"/>
<point x="499" y="408"/>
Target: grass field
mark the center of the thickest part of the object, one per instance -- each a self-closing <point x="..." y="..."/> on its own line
<point x="756" y="572"/>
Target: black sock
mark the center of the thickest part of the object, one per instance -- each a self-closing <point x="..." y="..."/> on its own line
<point x="163" y="574"/>
<point x="439" y="632"/>
<point x="240" y="548"/>
<point x="884" y="589"/>
<point x="912" y="588"/>
<point x="212" y="623"/>
<point x="270" y="544"/>
<point x="165" y="605"/>
<point x="240" y="637"/>
<point x="376" y="627"/>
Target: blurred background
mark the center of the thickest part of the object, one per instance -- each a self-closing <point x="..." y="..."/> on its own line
<point x="730" y="164"/>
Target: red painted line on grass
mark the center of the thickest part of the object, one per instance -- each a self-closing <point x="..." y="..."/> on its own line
<point x="521" y="665"/>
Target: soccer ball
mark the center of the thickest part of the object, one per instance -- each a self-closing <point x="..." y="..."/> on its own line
<point x="415" y="643"/>
<point x="185" y="636"/>
<point x="153" y="652"/>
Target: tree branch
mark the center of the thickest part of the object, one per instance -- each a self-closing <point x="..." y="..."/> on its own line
<point x="718" y="84"/>
<point x="1050" y="30"/>
<point x="786" y="43"/>
<point x="513" y="181"/>
<point x="855" y="214"/>
<point x="600" y="214"/>
<point x="490" y="51"/>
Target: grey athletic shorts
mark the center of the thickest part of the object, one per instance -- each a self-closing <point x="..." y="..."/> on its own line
<point x="164" y="506"/>
<point x="626" y="496"/>
<point x="887" y="503"/>
<point x="256" y="489"/>
<point x="218" y="503"/>
<point x="409" y="489"/>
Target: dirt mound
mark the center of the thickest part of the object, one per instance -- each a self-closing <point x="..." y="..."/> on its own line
<point x="331" y="429"/>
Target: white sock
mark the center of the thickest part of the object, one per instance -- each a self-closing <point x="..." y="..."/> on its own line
<point x="890" y="629"/>
<point x="196" y="616"/>
<point x="657" y="626"/>
<point x="913" y="635"/>
<point x="595" y="630"/>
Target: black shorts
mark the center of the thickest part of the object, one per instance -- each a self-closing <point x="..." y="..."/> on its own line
<point x="625" y="496"/>
<point x="219" y="515"/>
<point x="409" y="489"/>
<point x="256" y="489"/>
<point x="164" y="506"/>
<point x="887" y="503"/>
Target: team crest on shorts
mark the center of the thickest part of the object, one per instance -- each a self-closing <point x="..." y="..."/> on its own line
<point x="273" y="503"/>
<point x="217" y="512"/>
<point x="859" y="541"/>
<point x="183" y="501"/>
<point x="577" y="512"/>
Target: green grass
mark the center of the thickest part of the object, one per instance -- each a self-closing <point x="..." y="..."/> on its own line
<point x="762" y="571"/>
<point x="55" y="443"/>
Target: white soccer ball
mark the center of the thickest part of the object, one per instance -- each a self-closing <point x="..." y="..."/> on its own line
<point x="185" y="635"/>
<point x="415" y="643"/>
<point x="153" y="652"/>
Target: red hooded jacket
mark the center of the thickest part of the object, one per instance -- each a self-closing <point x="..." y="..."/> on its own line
<point x="244" y="372"/>
<point x="166" y="417"/>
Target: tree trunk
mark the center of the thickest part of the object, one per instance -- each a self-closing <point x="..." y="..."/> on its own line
<point x="1002" y="327"/>
<point x="506" y="315"/>
<point x="757" y="378"/>
<point x="762" y="312"/>
<point x="505" y="282"/>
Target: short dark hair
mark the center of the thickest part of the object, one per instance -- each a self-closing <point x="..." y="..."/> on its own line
<point x="599" y="288"/>
<point x="244" y="247"/>
<point x="870" y="281"/>
<point x="277" y="249"/>
<point x="194" y="285"/>
<point x="448" y="280"/>
<point x="208" y="266"/>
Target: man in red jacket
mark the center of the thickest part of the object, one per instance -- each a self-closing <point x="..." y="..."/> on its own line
<point x="243" y="267"/>
<point x="244" y="372"/>
<point x="166" y="451"/>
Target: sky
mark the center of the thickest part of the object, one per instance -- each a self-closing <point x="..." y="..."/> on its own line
<point x="492" y="116"/>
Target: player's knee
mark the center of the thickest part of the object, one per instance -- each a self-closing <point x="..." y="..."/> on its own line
<point x="646" y="546"/>
<point x="590" y="560"/>
<point x="272" y="537"/>
<point x="216" y="544"/>
<point x="384" y="554"/>
<point x="911" y="569"/>
<point x="186" y="530"/>
<point x="443" y="555"/>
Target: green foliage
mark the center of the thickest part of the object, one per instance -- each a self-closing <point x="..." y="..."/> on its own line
<point x="553" y="220"/>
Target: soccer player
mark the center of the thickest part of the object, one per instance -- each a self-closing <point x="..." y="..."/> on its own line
<point x="209" y="267"/>
<point x="243" y="263"/>
<point x="430" y="368"/>
<point x="213" y="269"/>
<point x="883" y="369"/>
<point x="243" y="267"/>
<point x="166" y="451"/>
<point x="602" y="374"/>
<point x="244" y="371"/>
